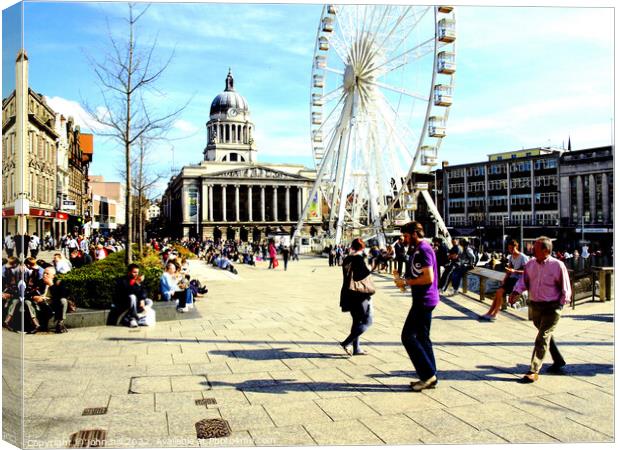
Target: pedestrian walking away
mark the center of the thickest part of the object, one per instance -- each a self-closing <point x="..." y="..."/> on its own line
<point x="514" y="271"/>
<point x="285" y="255"/>
<point x="422" y="277"/>
<point x="34" y="245"/>
<point x="352" y="300"/>
<point x="9" y="244"/>
<point x="546" y="279"/>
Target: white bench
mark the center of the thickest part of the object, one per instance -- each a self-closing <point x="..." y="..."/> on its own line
<point x="484" y="274"/>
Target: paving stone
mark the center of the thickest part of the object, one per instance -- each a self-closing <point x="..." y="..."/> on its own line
<point x="136" y="403"/>
<point x="296" y="413"/>
<point x="191" y="358"/>
<point x="570" y="431"/>
<point x="240" y="380"/>
<point x="346" y="408"/>
<point x="346" y="432"/>
<point x="449" y="397"/>
<point x="390" y="403"/>
<point x="479" y="416"/>
<point x="602" y="423"/>
<point x="209" y="368"/>
<point x="177" y="369"/>
<point x="145" y="385"/>
<point x="175" y="401"/>
<point x="440" y="422"/>
<point x="189" y="383"/>
<point x="396" y="429"/>
<point x="275" y="393"/>
<point x="289" y="436"/>
<point x="521" y="434"/>
<point x="246" y="417"/>
<point x="479" y="437"/>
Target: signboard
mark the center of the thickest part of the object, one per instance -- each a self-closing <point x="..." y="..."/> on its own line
<point x="68" y="205"/>
<point x="22" y="206"/>
<point x="314" y="212"/>
<point x="192" y="193"/>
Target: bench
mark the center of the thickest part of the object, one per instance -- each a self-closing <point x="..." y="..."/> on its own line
<point x="484" y="274"/>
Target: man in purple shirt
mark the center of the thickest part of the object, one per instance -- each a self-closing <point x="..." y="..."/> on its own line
<point x="422" y="276"/>
<point x="546" y="280"/>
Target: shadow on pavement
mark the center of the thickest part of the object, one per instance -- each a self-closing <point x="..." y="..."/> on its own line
<point x="275" y="353"/>
<point x="593" y="317"/>
<point x="369" y="342"/>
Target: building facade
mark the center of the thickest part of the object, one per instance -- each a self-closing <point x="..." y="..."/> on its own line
<point x="229" y="195"/>
<point x="29" y="150"/>
<point x="527" y="193"/>
<point x="587" y="193"/>
<point x="108" y="204"/>
<point x="39" y="163"/>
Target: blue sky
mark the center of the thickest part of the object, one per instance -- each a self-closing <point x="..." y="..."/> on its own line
<point x="526" y="77"/>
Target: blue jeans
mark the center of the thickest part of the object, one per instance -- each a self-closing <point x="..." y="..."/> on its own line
<point x="362" y="320"/>
<point x="416" y="339"/>
<point x="457" y="276"/>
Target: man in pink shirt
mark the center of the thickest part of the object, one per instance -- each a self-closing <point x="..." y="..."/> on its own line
<point x="546" y="280"/>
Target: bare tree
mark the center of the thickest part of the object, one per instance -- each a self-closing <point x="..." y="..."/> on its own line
<point x="125" y="74"/>
<point x="144" y="183"/>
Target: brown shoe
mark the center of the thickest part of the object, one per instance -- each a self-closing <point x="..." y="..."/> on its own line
<point x="529" y="377"/>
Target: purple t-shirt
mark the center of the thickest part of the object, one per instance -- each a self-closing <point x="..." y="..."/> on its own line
<point x="424" y="256"/>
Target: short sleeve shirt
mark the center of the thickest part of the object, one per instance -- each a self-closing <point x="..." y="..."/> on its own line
<point x="424" y="256"/>
<point x="518" y="263"/>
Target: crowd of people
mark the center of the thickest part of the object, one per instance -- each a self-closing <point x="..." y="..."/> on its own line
<point x="543" y="276"/>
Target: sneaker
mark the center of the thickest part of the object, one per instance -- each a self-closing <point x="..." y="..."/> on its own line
<point x="419" y="386"/>
<point x="529" y="377"/>
<point x="60" y="327"/>
<point x="133" y="323"/>
<point x="182" y="310"/>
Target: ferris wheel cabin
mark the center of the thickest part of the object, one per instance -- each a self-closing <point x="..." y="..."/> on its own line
<point x="323" y="44"/>
<point x="436" y="126"/>
<point x="446" y="62"/>
<point x="429" y="155"/>
<point x="318" y="81"/>
<point x="320" y="62"/>
<point x="317" y="118"/>
<point x="443" y="95"/>
<point x="317" y="136"/>
<point x="445" y="9"/>
<point x="447" y="30"/>
<point x="328" y="24"/>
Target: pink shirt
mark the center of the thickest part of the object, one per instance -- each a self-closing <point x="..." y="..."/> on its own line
<point x="546" y="281"/>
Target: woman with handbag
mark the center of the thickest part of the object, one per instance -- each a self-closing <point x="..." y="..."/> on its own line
<point x="357" y="288"/>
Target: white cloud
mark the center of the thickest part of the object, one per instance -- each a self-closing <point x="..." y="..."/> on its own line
<point x="70" y="108"/>
<point x="185" y="126"/>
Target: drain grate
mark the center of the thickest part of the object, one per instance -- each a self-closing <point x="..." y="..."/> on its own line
<point x="88" y="438"/>
<point x="205" y="402"/>
<point x="212" y="428"/>
<point x="95" y="411"/>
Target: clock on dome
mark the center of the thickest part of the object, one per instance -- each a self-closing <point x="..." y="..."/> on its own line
<point x="232" y="112"/>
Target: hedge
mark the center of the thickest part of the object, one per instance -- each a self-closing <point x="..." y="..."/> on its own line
<point x="184" y="251"/>
<point x="92" y="286"/>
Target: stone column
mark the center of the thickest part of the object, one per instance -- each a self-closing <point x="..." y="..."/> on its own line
<point x="605" y="206"/>
<point x="204" y="203"/>
<point x="211" y="203"/>
<point x="579" y="198"/>
<point x="237" y="202"/>
<point x="592" y="198"/>
<point x="288" y="203"/>
<point x="224" y="202"/>
<point x="250" y="203"/>
<point x="275" y="203"/>
<point x="262" y="203"/>
<point x="185" y="197"/>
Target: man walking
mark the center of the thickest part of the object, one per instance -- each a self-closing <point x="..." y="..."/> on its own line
<point x="34" y="245"/>
<point x="422" y="276"/>
<point x="546" y="280"/>
<point x="9" y="244"/>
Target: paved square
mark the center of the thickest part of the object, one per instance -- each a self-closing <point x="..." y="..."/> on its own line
<point x="266" y="349"/>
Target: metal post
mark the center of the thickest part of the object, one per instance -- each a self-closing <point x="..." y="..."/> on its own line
<point x="197" y="213"/>
<point x="521" y="244"/>
<point x="503" y="233"/>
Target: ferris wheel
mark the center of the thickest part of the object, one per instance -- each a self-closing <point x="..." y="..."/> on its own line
<point x="381" y="91"/>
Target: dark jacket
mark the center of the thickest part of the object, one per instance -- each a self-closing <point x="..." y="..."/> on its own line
<point x="124" y="290"/>
<point x="353" y="265"/>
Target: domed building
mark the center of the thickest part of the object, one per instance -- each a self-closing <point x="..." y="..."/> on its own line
<point x="229" y="194"/>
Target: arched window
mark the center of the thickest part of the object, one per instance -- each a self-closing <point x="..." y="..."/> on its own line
<point x="233" y="157"/>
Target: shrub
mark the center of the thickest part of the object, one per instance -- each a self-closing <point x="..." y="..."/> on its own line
<point x="92" y="286"/>
<point x="184" y="252"/>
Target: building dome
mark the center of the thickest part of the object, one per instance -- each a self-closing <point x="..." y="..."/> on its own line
<point x="229" y="100"/>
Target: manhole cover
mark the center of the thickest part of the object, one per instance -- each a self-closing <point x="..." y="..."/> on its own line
<point x="212" y="428"/>
<point x="205" y="402"/>
<point x="88" y="438"/>
<point x="95" y="411"/>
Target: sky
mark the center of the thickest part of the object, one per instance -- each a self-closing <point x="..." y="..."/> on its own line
<point x="526" y="76"/>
